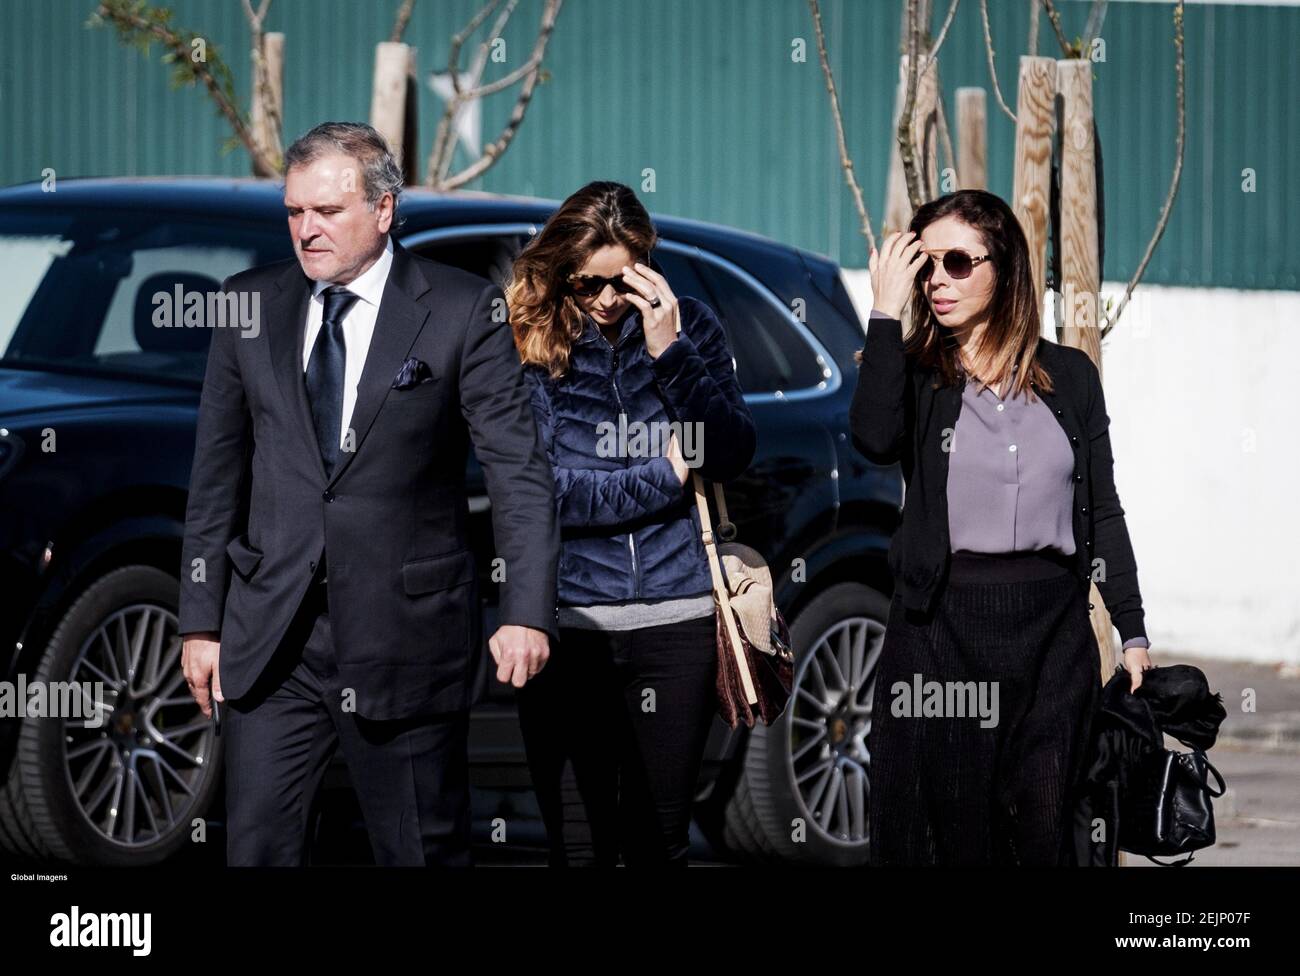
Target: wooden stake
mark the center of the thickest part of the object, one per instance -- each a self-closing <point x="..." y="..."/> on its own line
<point x="1080" y="261"/>
<point x="268" y="126"/>
<point x="393" y="102"/>
<point x="1033" y="161"/>
<point x="972" y="139"/>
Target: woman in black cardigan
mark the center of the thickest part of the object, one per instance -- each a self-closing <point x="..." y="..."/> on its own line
<point x="988" y="678"/>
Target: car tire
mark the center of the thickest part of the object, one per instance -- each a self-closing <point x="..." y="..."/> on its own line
<point x="147" y="744"/>
<point x="769" y="815"/>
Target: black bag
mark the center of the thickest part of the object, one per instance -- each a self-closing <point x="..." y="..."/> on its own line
<point x="1165" y="805"/>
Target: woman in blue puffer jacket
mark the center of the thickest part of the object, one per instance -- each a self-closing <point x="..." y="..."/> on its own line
<point x="615" y="725"/>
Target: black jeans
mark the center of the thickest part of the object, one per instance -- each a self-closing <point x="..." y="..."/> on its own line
<point x="614" y="727"/>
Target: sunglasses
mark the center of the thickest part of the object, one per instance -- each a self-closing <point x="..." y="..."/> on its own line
<point x="588" y="286"/>
<point x="956" y="262"/>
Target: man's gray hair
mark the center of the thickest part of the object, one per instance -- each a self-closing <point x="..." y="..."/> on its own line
<point x="380" y="173"/>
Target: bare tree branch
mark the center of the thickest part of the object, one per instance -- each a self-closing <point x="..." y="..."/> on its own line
<point x="403" y="18"/>
<point x="1109" y="321"/>
<point x="458" y="41"/>
<point x="255" y="19"/>
<point x="846" y="161"/>
<point x="1055" y="18"/>
<point x="443" y="142"/>
<point x="1095" y="18"/>
<point x="263" y="102"/>
<point x="493" y="152"/>
<point x="943" y="31"/>
<point x="906" y="145"/>
<point x="988" y="47"/>
<point x="138" y="25"/>
<point x="505" y="81"/>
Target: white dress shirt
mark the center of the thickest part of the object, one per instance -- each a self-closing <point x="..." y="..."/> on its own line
<point x="358" y="327"/>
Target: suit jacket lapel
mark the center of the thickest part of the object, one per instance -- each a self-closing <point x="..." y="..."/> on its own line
<point x="400" y="320"/>
<point x="286" y="322"/>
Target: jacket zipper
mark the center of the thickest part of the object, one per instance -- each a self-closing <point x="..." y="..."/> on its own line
<point x="631" y="536"/>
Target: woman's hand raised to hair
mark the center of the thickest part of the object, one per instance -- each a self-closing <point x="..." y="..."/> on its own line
<point x="658" y="322"/>
<point x="893" y="272"/>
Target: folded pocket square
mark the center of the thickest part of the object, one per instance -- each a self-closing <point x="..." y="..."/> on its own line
<point x="412" y="373"/>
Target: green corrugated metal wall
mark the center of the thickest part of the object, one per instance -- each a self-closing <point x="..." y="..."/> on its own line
<point x="705" y="93"/>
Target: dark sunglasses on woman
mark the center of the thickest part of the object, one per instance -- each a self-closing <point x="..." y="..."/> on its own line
<point x="586" y="286"/>
<point x="958" y="264"/>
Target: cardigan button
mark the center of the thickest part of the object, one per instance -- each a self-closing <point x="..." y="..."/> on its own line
<point x="1078" y="477"/>
<point x="1073" y="439"/>
<point x="1060" y="413"/>
<point x="1091" y="607"/>
<point x="1084" y="510"/>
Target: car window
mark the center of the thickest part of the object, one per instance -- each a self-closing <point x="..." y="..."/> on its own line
<point x="489" y="256"/>
<point x="110" y="291"/>
<point x="770" y="355"/>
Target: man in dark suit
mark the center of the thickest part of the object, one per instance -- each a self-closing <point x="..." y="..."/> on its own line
<point x="329" y="595"/>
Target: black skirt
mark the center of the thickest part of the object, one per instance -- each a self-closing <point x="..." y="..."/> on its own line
<point x="981" y="717"/>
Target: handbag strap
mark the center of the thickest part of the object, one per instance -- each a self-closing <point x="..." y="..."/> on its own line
<point x="726" y="528"/>
<point x="1171" y="864"/>
<point x="721" y="591"/>
<point x="1210" y="767"/>
<point x="715" y="570"/>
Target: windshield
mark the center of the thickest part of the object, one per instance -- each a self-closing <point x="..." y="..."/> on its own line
<point x="99" y="290"/>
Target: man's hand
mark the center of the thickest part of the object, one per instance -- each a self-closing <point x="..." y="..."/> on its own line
<point x="199" y="655"/>
<point x="1136" y="660"/>
<point x="520" y="652"/>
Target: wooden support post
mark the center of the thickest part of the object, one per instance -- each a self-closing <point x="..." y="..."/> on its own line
<point x="1080" y="274"/>
<point x="972" y="139"/>
<point x="393" y="103"/>
<point x="267" y="126"/>
<point x="1032" y="182"/>
<point x="1080" y="261"/>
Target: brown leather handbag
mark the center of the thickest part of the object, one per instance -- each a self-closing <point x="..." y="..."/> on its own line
<point x="755" y="662"/>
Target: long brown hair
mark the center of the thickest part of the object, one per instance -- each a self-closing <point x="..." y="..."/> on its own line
<point x="1009" y="341"/>
<point x="544" y="314"/>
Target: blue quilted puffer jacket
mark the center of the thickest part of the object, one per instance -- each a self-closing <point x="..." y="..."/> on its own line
<point x="629" y="529"/>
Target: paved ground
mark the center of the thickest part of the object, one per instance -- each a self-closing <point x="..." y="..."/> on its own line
<point x="1258" y="819"/>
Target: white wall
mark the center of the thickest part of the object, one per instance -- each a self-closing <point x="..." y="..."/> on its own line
<point x="1201" y="387"/>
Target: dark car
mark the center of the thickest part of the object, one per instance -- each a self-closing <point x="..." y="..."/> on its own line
<point x="97" y="417"/>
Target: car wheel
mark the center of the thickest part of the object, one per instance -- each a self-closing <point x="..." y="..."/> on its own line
<point x="122" y="784"/>
<point x="803" y="789"/>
